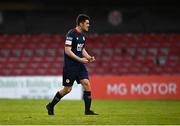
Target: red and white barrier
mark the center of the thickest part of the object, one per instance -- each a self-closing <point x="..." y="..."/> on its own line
<point x="135" y="87"/>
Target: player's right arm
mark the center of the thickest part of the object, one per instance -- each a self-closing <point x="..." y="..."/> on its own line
<point x="73" y="56"/>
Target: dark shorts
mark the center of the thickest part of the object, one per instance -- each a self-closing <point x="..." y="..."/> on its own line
<point x="74" y="73"/>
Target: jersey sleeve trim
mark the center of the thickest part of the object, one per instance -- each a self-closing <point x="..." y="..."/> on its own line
<point x="68" y="45"/>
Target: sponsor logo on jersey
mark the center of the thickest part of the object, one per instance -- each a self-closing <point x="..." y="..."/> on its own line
<point x="69" y="38"/>
<point x="79" y="46"/>
<point x="68" y="41"/>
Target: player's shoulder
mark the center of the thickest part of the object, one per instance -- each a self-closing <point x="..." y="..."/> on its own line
<point x="71" y="32"/>
<point x="70" y="35"/>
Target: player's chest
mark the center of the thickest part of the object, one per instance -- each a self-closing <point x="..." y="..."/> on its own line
<point x="79" y="39"/>
<point x="79" y="42"/>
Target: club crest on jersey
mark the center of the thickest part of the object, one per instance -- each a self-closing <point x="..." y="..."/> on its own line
<point x="77" y="38"/>
<point x="79" y="46"/>
<point x="67" y="80"/>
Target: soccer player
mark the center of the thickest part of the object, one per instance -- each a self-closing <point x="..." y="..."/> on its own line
<point x="75" y="58"/>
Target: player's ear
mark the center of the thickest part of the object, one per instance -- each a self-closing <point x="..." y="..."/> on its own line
<point x="80" y="24"/>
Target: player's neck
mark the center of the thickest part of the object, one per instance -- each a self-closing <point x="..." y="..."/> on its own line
<point x="78" y="29"/>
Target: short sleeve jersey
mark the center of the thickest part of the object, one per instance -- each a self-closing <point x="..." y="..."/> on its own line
<point x="76" y="40"/>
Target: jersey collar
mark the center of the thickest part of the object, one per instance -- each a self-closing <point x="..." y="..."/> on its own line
<point x="77" y="31"/>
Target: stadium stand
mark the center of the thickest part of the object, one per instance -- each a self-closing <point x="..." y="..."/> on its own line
<point x="116" y="54"/>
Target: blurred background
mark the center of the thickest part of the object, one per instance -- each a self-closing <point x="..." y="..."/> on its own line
<point x="108" y="16"/>
<point x="137" y="40"/>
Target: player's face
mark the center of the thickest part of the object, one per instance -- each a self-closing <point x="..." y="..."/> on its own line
<point x="85" y="26"/>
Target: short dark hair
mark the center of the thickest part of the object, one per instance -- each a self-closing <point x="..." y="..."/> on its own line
<point x="81" y="18"/>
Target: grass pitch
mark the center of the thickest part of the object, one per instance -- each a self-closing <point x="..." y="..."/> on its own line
<point x="30" y="112"/>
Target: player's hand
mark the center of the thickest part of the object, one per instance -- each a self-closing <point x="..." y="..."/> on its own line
<point x="84" y="60"/>
<point x="92" y="59"/>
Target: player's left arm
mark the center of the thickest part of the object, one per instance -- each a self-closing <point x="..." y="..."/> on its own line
<point x="86" y="55"/>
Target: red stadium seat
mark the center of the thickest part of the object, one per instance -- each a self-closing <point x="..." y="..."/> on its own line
<point x="116" y="54"/>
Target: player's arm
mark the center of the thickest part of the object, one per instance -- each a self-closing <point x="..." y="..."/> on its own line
<point x="73" y="56"/>
<point x="85" y="54"/>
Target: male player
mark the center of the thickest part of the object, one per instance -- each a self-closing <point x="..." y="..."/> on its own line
<point x="75" y="58"/>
